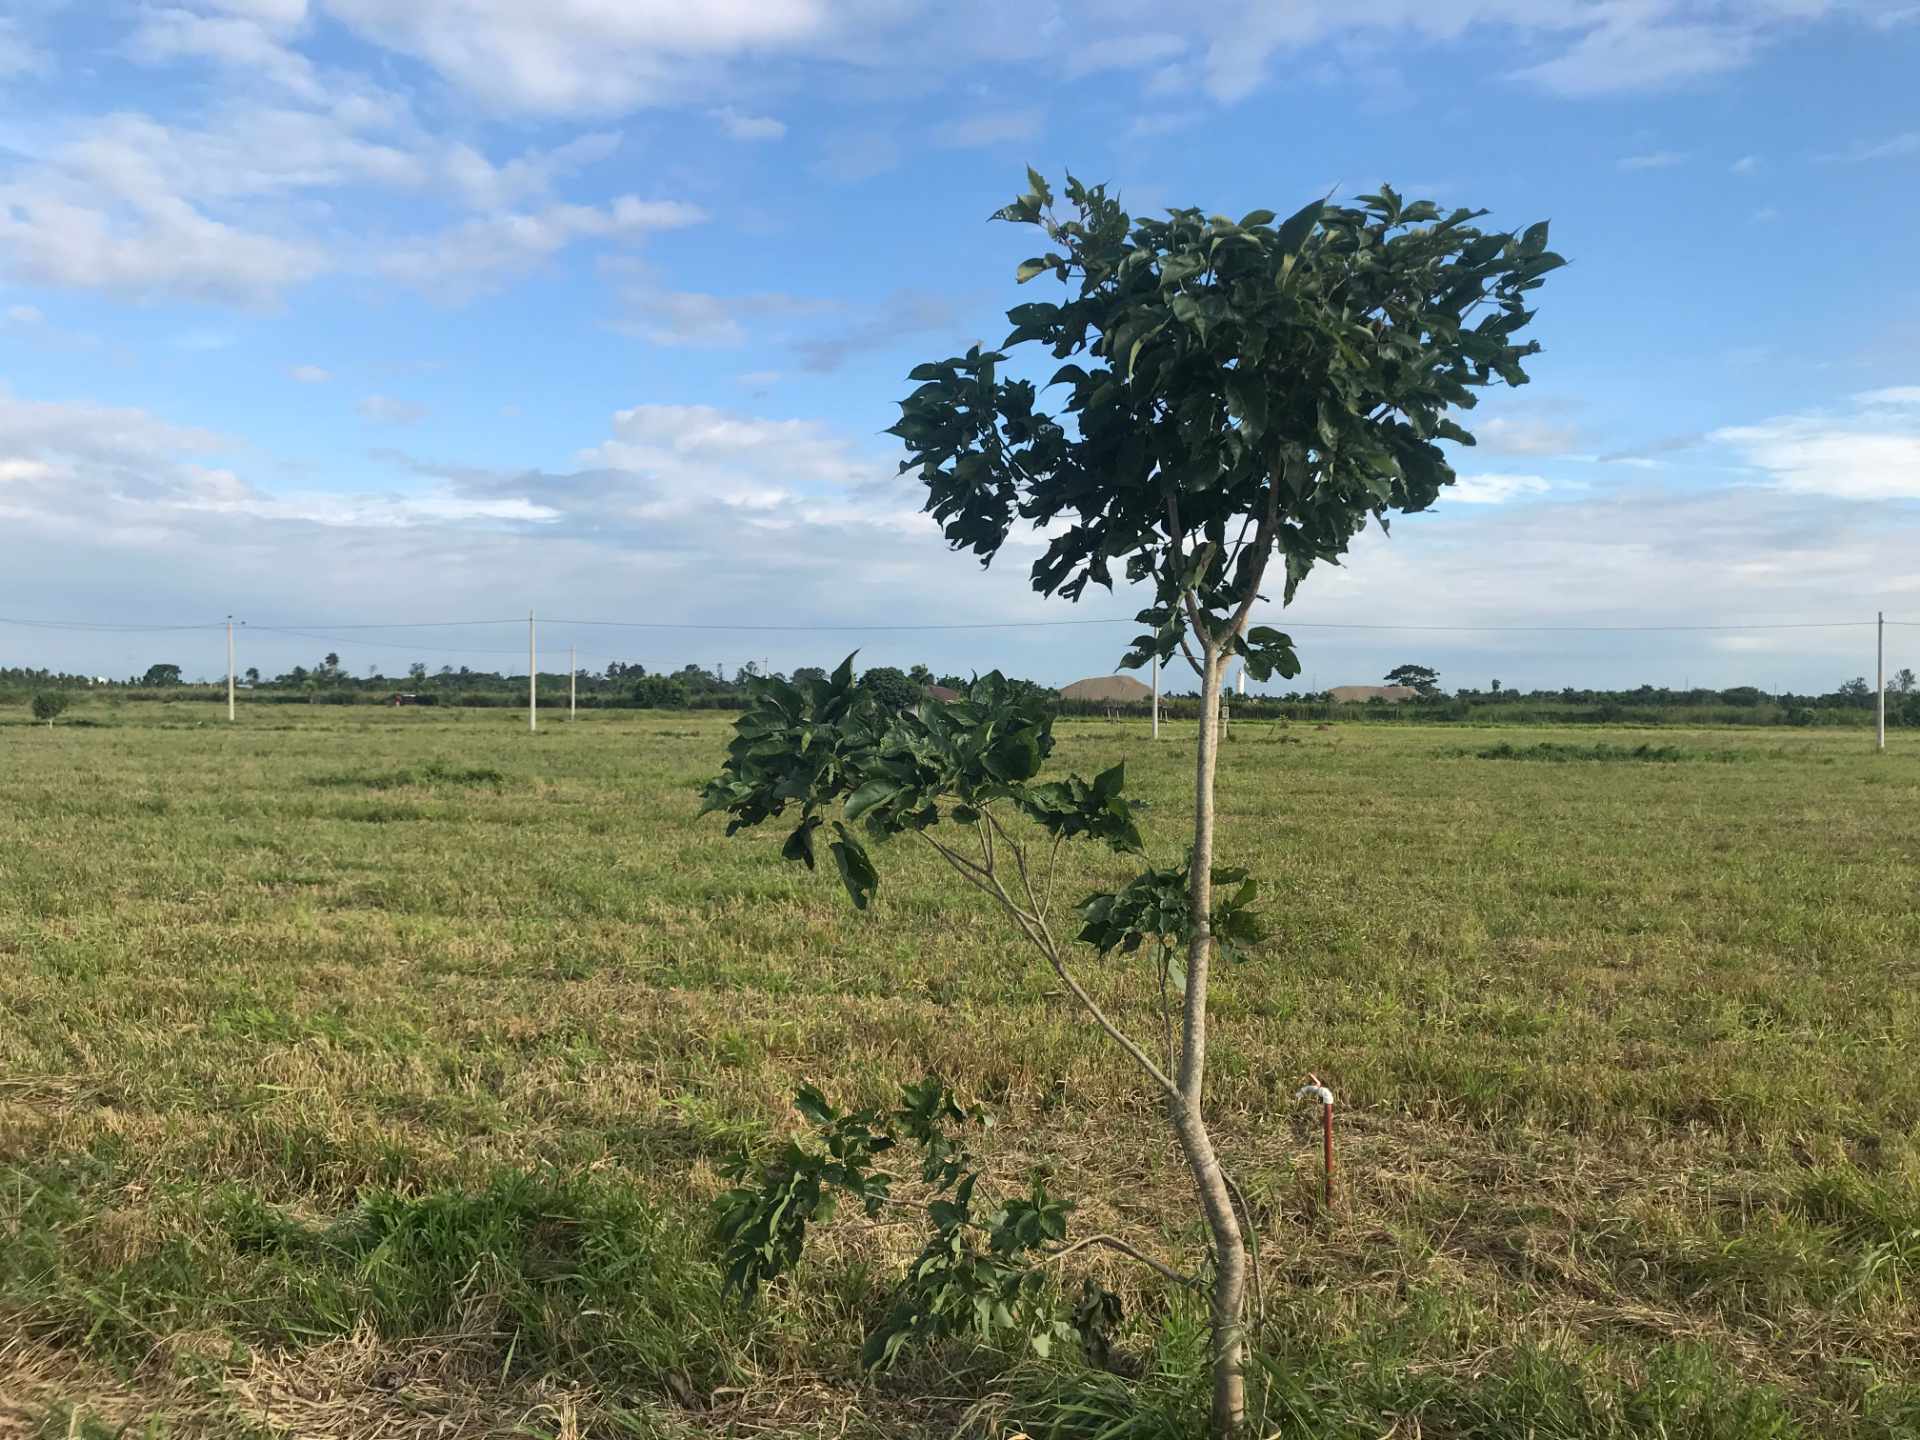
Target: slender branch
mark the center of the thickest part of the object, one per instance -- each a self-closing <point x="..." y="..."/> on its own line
<point x="1114" y="1243"/>
<point x="957" y="860"/>
<point x="1019" y="859"/>
<point x="1263" y="549"/>
<point x="1035" y="929"/>
<point x="1253" y="1245"/>
<point x="1166" y="1006"/>
<point x="964" y="867"/>
<point x="1053" y="865"/>
<point x="1042" y="938"/>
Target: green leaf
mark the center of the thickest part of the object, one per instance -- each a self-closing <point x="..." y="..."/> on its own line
<point x="1030" y="268"/>
<point x="874" y="792"/>
<point x="1256" y="217"/>
<point x="1299" y="225"/>
<point x="856" y="869"/>
<point x="799" y="844"/>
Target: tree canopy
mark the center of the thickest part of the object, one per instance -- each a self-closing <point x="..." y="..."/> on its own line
<point x="1417" y="677"/>
<point x="1230" y="388"/>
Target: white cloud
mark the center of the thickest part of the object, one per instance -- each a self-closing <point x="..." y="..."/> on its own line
<point x="849" y="159"/>
<point x="1166" y="122"/>
<point x="484" y="185"/>
<point x="1894" y="397"/>
<point x="1894" y="147"/>
<point x="585" y="56"/>
<point x="738" y="125"/>
<point x="1766" y="214"/>
<point x="791" y="517"/>
<point x="1134" y="50"/>
<point x="125" y="203"/>
<point x="900" y="316"/>
<point x="692" y="318"/>
<point x="1636" y="48"/>
<point x="310" y="374"/>
<point x="1745" y="165"/>
<point x="385" y="410"/>
<point x="476" y="252"/>
<point x="991" y="127"/>
<point x="243" y="43"/>
<point x="1529" y="436"/>
<point x="701" y="450"/>
<point x="18" y="56"/>
<point x="1493" y="489"/>
<point x="23" y="317"/>
<point x="1654" y="160"/>
<point x="239" y="208"/>
<point x="1870" y="453"/>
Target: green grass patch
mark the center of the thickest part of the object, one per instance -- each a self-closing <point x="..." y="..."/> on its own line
<point x="1601" y="752"/>
<point x="433" y="772"/>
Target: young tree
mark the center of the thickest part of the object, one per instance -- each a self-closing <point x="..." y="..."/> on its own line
<point x="253" y="675"/>
<point x="49" y="705"/>
<point x="1234" y="393"/>
<point x="1903" y="681"/>
<point x="1417" y="677"/>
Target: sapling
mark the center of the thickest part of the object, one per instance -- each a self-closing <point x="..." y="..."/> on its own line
<point x="1232" y="394"/>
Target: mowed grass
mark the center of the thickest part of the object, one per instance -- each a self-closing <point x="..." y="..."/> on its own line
<point x="367" y="1073"/>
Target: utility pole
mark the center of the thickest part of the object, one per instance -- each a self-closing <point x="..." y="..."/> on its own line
<point x="1880" y="679"/>
<point x="573" y="678"/>
<point x="229" y="669"/>
<point x="533" y="672"/>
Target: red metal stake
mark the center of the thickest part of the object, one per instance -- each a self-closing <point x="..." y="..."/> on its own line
<point x="1326" y="1131"/>
<point x="1314" y="1089"/>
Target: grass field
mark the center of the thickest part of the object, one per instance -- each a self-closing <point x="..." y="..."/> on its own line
<point x="366" y="1073"/>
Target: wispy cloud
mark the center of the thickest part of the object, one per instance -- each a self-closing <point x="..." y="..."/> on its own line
<point x="385" y="410"/>
<point x="903" y="314"/>
<point x="1894" y="147"/>
<point x="849" y="159"/>
<point x="310" y="374"/>
<point x="1871" y="452"/>
<point x="1653" y="160"/>
<point x="993" y="127"/>
<point x="1493" y="489"/>
<point x="1746" y="165"/>
<point x="739" y="125"/>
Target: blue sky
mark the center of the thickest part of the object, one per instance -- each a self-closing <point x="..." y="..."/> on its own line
<point x="342" y="312"/>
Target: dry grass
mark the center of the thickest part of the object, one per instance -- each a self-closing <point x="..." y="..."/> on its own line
<point x="1628" y="1125"/>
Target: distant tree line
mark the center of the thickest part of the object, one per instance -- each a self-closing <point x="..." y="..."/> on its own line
<point x="625" y="685"/>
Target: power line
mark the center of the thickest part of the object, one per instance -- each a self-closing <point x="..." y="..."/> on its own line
<point x="307" y="630"/>
<point x="92" y="625"/>
<point x="1585" y="629"/>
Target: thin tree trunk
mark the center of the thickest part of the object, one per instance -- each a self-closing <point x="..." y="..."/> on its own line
<point x="1229" y="1245"/>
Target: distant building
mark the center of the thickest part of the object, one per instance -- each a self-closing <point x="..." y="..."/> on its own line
<point x="942" y="694"/>
<point x="1360" y="694"/>
<point x="1108" y="690"/>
